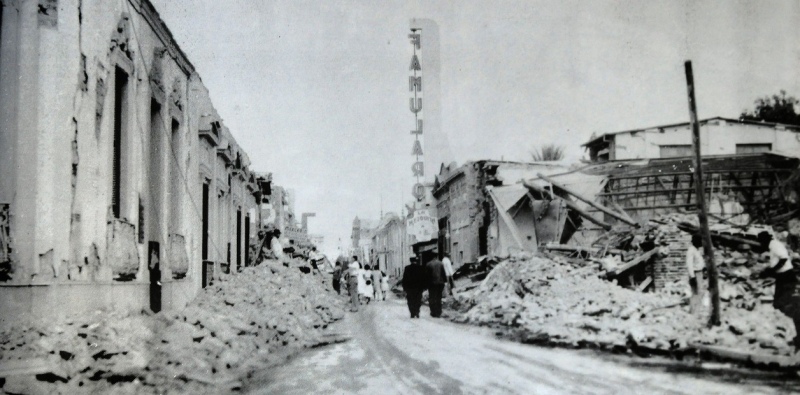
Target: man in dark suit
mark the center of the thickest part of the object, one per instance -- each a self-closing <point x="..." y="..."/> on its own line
<point x="436" y="279"/>
<point x="414" y="282"/>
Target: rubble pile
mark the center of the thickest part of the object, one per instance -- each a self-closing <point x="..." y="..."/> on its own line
<point x="243" y="323"/>
<point x="558" y="301"/>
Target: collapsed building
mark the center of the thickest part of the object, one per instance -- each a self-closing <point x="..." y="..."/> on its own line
<point x="491" y="208"/>
<point x="120" y="186"/>
<point x="484" y="209"/>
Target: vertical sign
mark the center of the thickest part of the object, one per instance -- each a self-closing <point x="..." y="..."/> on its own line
<point x="415" y="104"/>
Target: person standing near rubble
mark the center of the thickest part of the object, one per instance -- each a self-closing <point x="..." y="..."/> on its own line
<point x="377" y="278"/>
<point x="276" y="247"/>
<point x="780" y="267"/>
<point x="337" y="274"/>
<point x="436" y="279"/>
<point x="694" y="266"/>
<point x="315" y="259"/>
<point x="414" y="283"/>
<point x="448" y="270"/>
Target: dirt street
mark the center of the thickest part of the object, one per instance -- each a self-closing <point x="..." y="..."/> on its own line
<point x="390" y="354"/>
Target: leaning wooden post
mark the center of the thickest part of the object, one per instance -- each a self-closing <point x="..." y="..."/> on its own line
<point x="713" y="277"/>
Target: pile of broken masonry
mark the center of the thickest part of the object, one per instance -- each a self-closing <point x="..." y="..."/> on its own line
<point x="569" y="302"/>
<point x="242" y="323"/>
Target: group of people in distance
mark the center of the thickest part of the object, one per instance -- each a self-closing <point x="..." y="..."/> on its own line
<point x="433" y="276"/>
<point x="362" y="284"/>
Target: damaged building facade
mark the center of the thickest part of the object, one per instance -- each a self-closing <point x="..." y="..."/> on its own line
<point x="484" y="209"/>
<point x="120" y="187"/>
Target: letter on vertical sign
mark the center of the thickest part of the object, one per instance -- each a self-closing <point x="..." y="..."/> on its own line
<point x="414" y="84"/>
<point x="419" y="127"/>
<point x="415" y="63"/>
<point x="418" y="108"/>
<point x="417" y="148"/>
<point x="419" y="169"/>
<point x="415" y="40"/>
<point x="418" y="191"/>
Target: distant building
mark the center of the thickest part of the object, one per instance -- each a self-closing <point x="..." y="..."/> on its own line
<point x="718" y="136"/>
<point x="361" y="239"/>
<point x="391" y="245"/>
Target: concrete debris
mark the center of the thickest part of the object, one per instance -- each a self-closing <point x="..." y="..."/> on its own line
<point x="243" y="323"/>
<point x="563" y="302"/>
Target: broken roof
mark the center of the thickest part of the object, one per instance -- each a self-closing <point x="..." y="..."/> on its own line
<point x="596" y="138"/>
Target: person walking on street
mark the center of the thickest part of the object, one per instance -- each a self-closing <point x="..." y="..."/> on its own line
<point x="337" y="274"/>
<point x="413" y="284"/>
<point x="363" y="287"/>
<point x="384" y="286"/>
<point x="448" y="271"/>
<point x="352" y="284"/>
<point x="436" y="279"/>
<point x="781" y="268"/>
<point x="377" y="277"/>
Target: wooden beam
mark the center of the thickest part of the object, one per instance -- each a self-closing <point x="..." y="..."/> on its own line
<point x="654" y="207"/>
<point x="657" y="192"/>
<point x="644" y="284"/>
<point x="589" y="201"/>
<point x="679" y="173"/>
<point x="571" y="205"/>
<point x="697" y="162"/>
<point x="621" y="210"/>
<point x="782" y="217"/>
<point x="633" y="262"/>
<point x="693" y="229"/>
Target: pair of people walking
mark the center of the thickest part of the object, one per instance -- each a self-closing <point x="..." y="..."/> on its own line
<point x="416" y="278"/>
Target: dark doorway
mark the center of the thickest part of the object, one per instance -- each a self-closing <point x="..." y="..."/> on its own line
<point x="117" y="179"/>
<point x="443" y="240"/>
<point x="247" y="240"/>
<point x="228" y="261"/>
<point x="154" y="264"/>
<point x="204" y="236"/>
<point x="238" y="240"/>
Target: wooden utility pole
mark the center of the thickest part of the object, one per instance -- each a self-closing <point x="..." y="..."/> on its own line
<point x="713" y="276"/>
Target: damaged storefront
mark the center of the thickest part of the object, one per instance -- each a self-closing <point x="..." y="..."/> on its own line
<point x="484" y="209"/>
<point x="114" y="194"/>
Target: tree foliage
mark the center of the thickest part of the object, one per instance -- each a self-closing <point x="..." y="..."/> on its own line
<point x="777" y="109"/>
<point x="548" y="153"/>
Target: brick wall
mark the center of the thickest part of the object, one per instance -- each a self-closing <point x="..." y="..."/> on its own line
<point x="672" y="267"/>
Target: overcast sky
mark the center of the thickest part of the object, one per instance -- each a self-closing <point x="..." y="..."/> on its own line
<point x="317" y="92"/>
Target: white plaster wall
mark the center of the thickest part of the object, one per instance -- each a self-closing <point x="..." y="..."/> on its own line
<point x="717" y="138"/>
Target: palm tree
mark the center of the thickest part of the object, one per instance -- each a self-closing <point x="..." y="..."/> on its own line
<point x="548" y="153"/>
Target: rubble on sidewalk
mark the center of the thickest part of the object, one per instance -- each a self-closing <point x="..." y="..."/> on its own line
<point x="565" y="302"/>
<point x="233" y="328"/>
